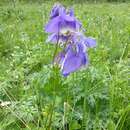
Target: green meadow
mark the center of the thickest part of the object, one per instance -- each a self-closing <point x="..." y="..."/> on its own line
<point x="33" y="97"/>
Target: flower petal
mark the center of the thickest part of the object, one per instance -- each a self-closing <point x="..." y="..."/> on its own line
<point x="52" y="38"/>
<point x="71" y="12"/>
<point x="89" y="42"/>
<point x="55" y="37"/>
<point x="56" y="10"/>
<point x="53" y="25"/>
<point x="73" y="61"/>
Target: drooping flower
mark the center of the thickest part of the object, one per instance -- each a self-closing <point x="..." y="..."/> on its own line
<point x="74" y="59"/>
<point x="64" y="28"/>
<point x="75" y="56"/>
<point x="62" y="21"/>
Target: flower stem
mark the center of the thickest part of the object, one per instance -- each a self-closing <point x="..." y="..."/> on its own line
<point x="56" y="49"/>
<point x="54" y="69"/>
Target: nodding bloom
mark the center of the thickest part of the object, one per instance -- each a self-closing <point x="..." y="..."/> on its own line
<point x="74" y="59"/>
<point x="62" y="21"/>
<point x="65" y="29"/>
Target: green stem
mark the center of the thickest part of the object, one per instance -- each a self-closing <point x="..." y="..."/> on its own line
<point x="56" y="49"/>
<point x="85" y="108"/>
<point x="14" y="4"/>
<point x="51" y="114"/>
<point x="84" y="113"/>
<point x="54" y="83"/>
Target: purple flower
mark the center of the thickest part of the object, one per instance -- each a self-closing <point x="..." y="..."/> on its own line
<point x="64" y="28"/>
<point x="62" y="22"/>
<point x="73" y="60"/>
<point x="74" y="56"/>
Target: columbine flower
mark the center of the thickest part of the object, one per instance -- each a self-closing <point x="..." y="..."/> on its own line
<point x="62" y="21"/>
<point x="75" y="55"/>
<point x="65" y="28"/>
<point x="74" y="59"/>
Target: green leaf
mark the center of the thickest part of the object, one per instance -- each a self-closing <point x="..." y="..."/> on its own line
<point x="74" y="125"/>
<point x="111" y="125"/>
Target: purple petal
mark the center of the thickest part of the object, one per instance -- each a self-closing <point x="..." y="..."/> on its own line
<point x="52" y="38"/>
<point x="69" y="18"/>
<point x="73" y="61"/>
<point x="81" y="47"/>
<point x="71" y="12"/>
<point x="78" y="25"/>
<point x="53" y="25"/>
<point x="71" y="64"/>
<point x="70" y="26"/>
<point x="55" y="37"/>
<point x="81" y="52"/>
<point x="56" y="10"/>
<point x="84" y="58"/>
<point x="89" y="42"/>
<point x="62" y="23"/>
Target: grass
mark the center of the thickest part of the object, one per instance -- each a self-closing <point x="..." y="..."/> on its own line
<point x="95" y="98"/>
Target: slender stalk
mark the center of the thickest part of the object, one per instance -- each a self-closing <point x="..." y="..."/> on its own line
<point x="17" y="116"/>
<point x="85" y="109"/>
<point x="54" y="85"/>
<point x="55" y="52"/>
<point x="14" y="3"/>
<point x="84" y="113"/>
<point x="64" y="116"/>
<point x="52" y="110"/>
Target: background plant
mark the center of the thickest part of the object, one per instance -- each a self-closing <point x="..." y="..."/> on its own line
<point x="95" y="98"/>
